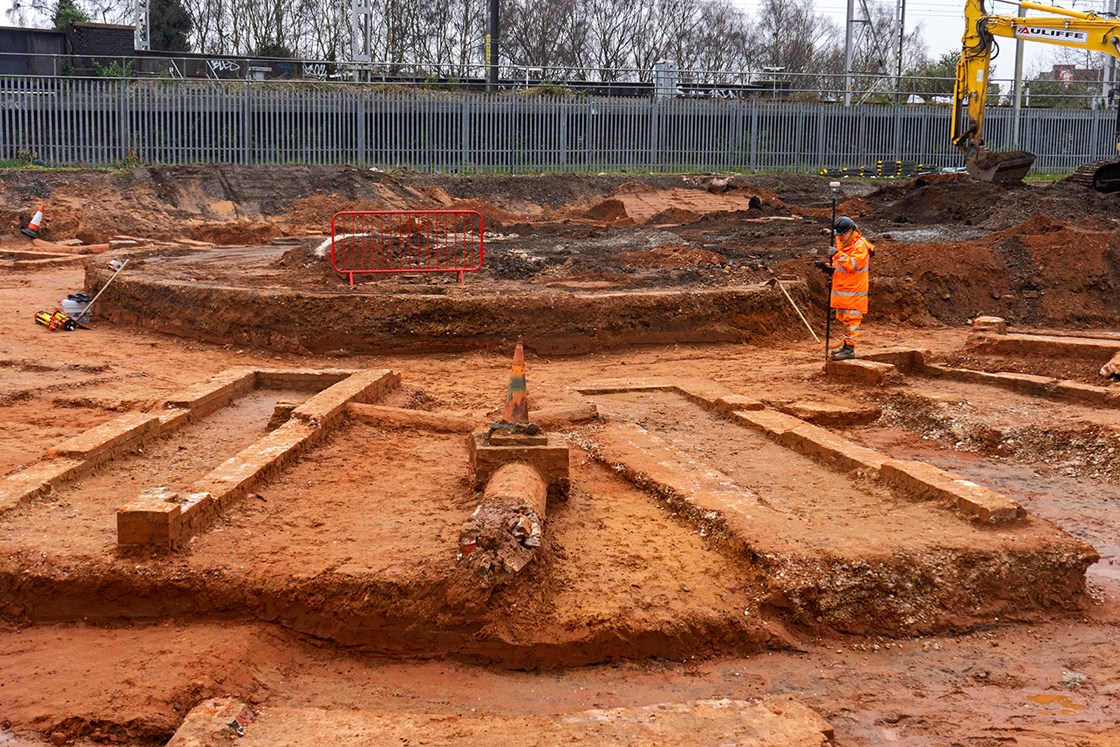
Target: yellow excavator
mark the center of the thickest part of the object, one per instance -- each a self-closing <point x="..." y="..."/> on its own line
<point x="1067" y="28"/>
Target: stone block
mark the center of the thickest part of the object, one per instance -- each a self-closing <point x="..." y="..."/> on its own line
<point x="214" y="394"/>
<point x="1039" y="386"/>
<point x="702" y="392"/>
<point x="1086" y="394"/>
<point x="829" y="448"/>
<point x="738" y="403"/>
<point x="967" y="375"/>
<point x="863" y="372"/>
<point x="173" y="419"/>
<point x="213" y="722"/>
<point x="992" y="325"/>
<point x="198" y="510"/>
<point x="826" y="413"/>
<point x="109" y="438"/>
<point x="1112" y="368"/>
<point x="915" y="479"/>
<point x="330" y="404"/>
<point x="985" y="505"/>
<point x="301" y="379"/>
<point x="1027" y="383"/>
<point x="234" y="477"/>
<point x="281" y="413"/>
<point x="924" y="481"/>
<point x="1047" y="346"/>
<point x="27" y="484"/>
<point x="614" y="386"/>
<point x="550" y="460"/>
<point x="154" y="520"/>
<point x="399" y="417"/>
<point x="774" y="424"/>
<point x="907" y="360"/>
<point x="500" y="437"/>
<point x="562" y="415"/>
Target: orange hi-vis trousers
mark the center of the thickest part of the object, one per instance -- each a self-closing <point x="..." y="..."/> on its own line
<point x="850" y="321"/>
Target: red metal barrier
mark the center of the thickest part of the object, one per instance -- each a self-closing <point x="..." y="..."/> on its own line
<point x="364" y="242"/>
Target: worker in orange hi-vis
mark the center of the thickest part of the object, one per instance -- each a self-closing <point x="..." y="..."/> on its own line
<point x="848" y="264"/>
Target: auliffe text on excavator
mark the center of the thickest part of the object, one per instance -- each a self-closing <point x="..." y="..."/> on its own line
<point x="1052" y="35"/>
<point x="1068" y="28"/>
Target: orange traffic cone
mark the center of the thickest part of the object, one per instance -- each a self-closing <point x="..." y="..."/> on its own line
<point x="32" y="228"/>
<point x="516" y="409"/>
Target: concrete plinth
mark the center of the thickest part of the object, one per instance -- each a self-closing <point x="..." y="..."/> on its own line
<point x="992" y="325"/>
<point x="550" y="459"/>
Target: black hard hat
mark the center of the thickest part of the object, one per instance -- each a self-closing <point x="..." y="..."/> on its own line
<point x="843" y="223"/>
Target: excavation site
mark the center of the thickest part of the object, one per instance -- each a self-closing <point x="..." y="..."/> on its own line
<point x="342" y="456"/>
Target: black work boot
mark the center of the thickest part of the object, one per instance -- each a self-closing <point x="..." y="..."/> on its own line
<point x="845" y="353"/>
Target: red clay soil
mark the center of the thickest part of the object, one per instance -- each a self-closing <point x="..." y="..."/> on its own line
<point x="330" y="601"/>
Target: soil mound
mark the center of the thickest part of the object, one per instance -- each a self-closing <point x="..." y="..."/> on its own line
<point x="633" y="188"/>
<point x="671" y="256"/>
<point x="944" y="198"/>
<point x="673" y="216"/>
<point x="1037" y="224"/>
<point x="612" y="211"/>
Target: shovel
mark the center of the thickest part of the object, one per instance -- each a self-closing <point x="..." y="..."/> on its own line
<point x="776" y="283"/>
<point x="93" y="300"/>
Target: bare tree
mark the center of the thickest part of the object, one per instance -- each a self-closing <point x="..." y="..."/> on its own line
<point x="616" y="27"/>
<point x="443" y="30"/>
<point x="543" y="34"/>
<point x="790" y="35"/>
<point x="327" y="29"/>
<point x="722" y="39"/>
<point x="673" y="34"/>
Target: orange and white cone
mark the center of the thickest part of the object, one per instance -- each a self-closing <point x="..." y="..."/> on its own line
<point x="32" y="228"/>
<point x="516" y="409"/>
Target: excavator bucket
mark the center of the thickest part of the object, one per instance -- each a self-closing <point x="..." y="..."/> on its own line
<point x="1001" y="167"/>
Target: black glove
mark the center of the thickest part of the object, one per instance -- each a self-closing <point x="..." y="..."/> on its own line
<point x="826" y="269"/>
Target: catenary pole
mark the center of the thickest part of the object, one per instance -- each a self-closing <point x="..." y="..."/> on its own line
<point x="492" y="48"/>
<point x="849" y="52"/>
<point x="835" y="187"/>
<point x="1017" y="87"/>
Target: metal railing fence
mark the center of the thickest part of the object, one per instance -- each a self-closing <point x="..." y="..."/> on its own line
<point x="407" y="241"/>
<point x="103" y="122"/>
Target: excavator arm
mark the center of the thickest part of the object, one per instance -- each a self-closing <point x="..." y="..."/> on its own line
<point x="1059" y="26"/>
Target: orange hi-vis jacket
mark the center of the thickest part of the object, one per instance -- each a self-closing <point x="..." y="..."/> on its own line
<point x="849" y="281"/>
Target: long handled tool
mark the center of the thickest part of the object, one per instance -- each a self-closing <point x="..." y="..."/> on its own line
<point x="835" y="187"/>
<point x="93" y="300"/>
<point x="778" y="283"/>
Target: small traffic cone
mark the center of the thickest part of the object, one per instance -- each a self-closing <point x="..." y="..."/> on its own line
<point x="32" y="228"/>
<point x="516" y="409"/>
